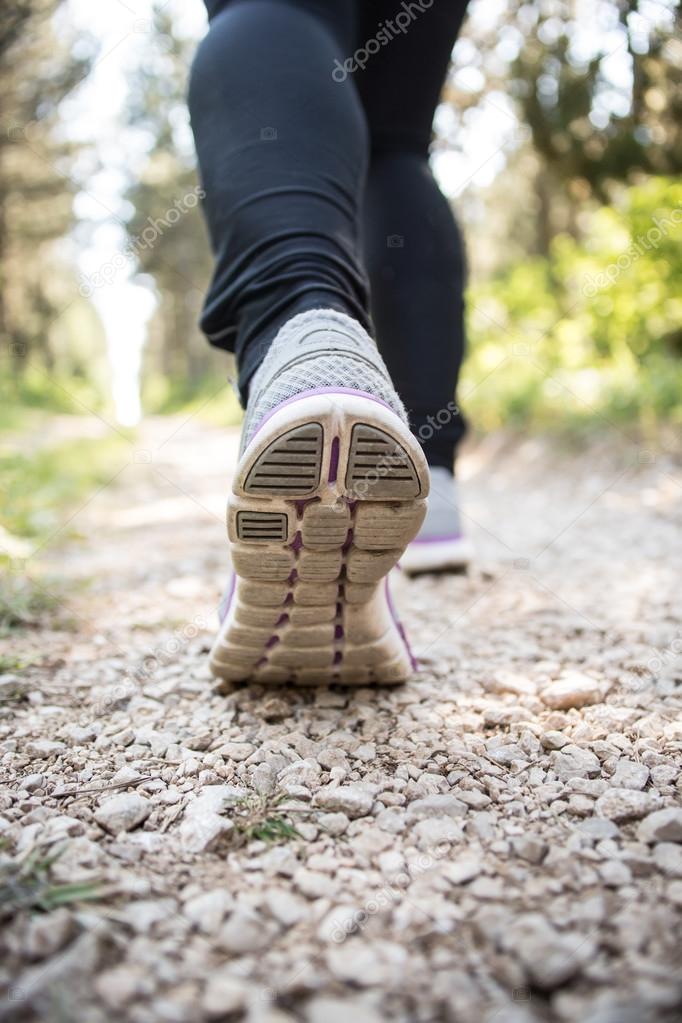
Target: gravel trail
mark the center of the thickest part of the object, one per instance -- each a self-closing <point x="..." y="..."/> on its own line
<point x="498" y="841"/>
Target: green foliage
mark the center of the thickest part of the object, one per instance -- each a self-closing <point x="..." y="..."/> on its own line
<point x="208" y="398"/>
<point x="166" y="231"/>
<point x="10" y="662"/>
<point x="46" y="329"/>
<point x="43" y="488"/>
<point x="64" y="389"/>
<point x="594" y="330"/>
<point x="587" y="126"/>
<point x="24" y="602"/>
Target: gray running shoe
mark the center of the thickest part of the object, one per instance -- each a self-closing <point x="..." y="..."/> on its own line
<point x="440" y="545"/>
<point x="329" y="490"/>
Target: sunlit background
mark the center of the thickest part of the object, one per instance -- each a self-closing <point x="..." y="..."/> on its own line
<point x="559" y="142"/>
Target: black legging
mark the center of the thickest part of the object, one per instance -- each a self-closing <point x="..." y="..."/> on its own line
<point x="316" y="175"/>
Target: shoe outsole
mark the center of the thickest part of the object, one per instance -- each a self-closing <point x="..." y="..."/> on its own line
<point x="326" y="498"/>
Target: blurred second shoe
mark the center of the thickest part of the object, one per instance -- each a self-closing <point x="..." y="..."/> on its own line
<point x="440" y="545"/>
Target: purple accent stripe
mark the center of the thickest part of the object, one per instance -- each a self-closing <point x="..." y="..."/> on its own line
<point x="313" y="392"/>
<point x="399" y="625"/>
<point x="226" y="601"/>
<point x="297" y="542"/>
<point x="333" y="461"/>
<point x="302" y="504"/>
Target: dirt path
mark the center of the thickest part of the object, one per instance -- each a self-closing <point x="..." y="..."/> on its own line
<point x="499" y="841"/>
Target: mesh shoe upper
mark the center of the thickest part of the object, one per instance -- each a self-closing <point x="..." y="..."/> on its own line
<point x="321" y="348"/>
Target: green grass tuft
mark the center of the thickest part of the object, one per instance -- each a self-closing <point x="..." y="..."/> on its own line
<point x="25" y="884"/>
<point x="261" y="817"/>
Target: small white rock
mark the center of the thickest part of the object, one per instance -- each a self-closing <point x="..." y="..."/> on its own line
<point x="572" y="690"/>
<point x="237" y="751"/>
<point x="366" y="964"/>
<point x="46" y="934"/>
<point x="203" y="832"/>
<point x="334" y="823"/>
<point x="436" y="831"/>
<point x="315" y="885"/>
<point x="668" y="858"/>
<point x="366" y="752"/>
<point x="675" y="892"/>
<point x="122" y="812"/>
<point x="629" y="775"/>
<point x="208" y="910"/>
<point x="661" y="826"/>
<point x="339" y="923"/>
<point x="614" y="873"/>
<point x="550" y="957"/>
<point x="41" y="749"/>
<point x="142" y="914"/>
<point x="31" y="782"/>
<point x="244" y="932"/>
<point x="438" y="805"/>
<point x="509" y="682"/>
<point x="391" y="820"/>
<point x="529" y="848"/>
<point x="325" y="1009"/>
<point x="461" y="870"/>
<point x="286" y="907"/>
<point x="118" y="986"/>
<point x="554" y="739"/>
<point x="352" y="800"/>
<point x="623" y="805"/>
<point x="574" y="762"/>
<point x="224" y="994"/>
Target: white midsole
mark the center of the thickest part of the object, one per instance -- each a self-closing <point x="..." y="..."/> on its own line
<point x="437" y="555"/>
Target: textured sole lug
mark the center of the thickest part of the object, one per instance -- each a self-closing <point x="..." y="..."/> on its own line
<point x="326" y="498"/>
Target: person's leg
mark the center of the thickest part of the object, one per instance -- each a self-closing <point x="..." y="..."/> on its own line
<point x="282" y="152"/>
<point x="330" y="485"/>
<point x="414" y="250"/>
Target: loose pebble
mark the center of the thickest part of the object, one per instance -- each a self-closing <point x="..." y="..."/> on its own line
<point x="122" y="812"/>
<point x="497" y="839"/>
